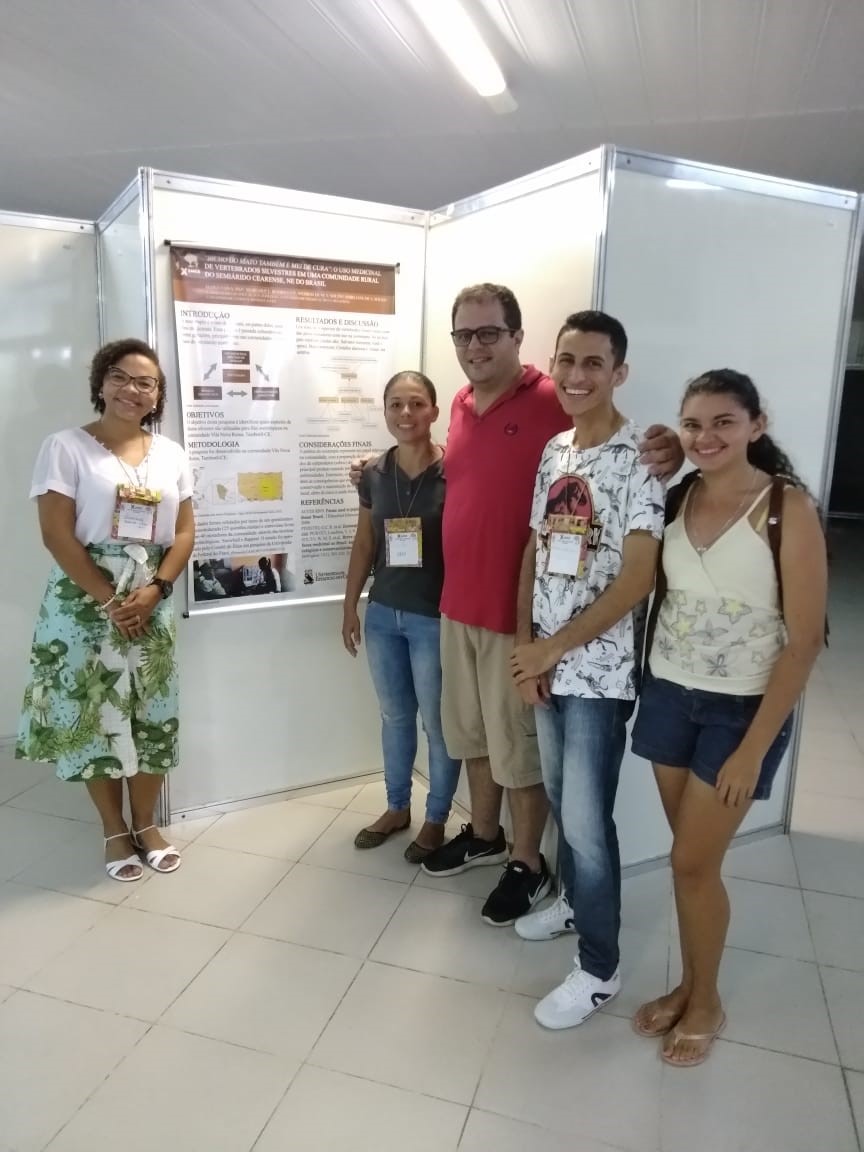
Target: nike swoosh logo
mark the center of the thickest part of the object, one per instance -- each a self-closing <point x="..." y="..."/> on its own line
<point x="599" y="998"/>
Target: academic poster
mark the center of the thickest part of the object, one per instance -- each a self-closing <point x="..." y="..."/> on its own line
<point x="282" y="365"/>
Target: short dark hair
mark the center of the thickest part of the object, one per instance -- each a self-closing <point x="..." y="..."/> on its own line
<point x="601" y="322"/>
<point x="479" y="293"/>
<point x="411" y="374"/>
<point x="108" y="356"/>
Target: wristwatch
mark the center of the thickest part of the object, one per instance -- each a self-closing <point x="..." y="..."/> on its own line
<point x="165" y="587"/>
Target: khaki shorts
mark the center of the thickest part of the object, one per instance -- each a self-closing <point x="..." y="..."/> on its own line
<point x="481" y="712"/>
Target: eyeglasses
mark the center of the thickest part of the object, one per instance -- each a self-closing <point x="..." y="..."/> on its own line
<point x="488" y="334"/>
<point x="119" y="378"/>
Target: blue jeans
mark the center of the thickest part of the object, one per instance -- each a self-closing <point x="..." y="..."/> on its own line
<point x="581" y="748"/>
<point x="404" y="655"/>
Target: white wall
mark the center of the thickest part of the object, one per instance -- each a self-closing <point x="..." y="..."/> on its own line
<point x="121" y="272"/>
<point x="708" y="277"/>
<point x="48" y="334"/>
<point x="269" y="699"/>
<point x="715" y="277"/>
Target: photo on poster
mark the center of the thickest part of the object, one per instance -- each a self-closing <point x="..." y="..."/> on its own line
<point x="282" y="363"/>
<point x="226" y="578"/>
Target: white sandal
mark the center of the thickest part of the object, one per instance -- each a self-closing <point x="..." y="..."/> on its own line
<point x="156" y="855"/>
<point x="115" y="867"/>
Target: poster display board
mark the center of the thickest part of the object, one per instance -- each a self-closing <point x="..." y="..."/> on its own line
<point x="281" y="362"/>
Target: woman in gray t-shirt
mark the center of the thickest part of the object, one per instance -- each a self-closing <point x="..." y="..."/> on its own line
<point x="398" y="542"/>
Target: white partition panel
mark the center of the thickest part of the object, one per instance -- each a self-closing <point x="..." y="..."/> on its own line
<point x="538" y="236"/>
<point x="710" y="269"/>
<point x="49" y="330"/>
<point x="270" y="700"/>
<point x="122" y="274"/>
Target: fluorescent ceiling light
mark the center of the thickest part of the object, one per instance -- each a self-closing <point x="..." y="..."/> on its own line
<point x="450" y="25"/>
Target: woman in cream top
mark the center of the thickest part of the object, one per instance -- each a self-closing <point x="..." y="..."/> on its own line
<point x="725" y="670"/>
<point x="719" y="627"/>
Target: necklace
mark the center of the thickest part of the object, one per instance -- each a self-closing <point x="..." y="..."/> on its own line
<point x="701" y="549"/>
<point x="131" y="472"/>
<point x="403" y="515"/>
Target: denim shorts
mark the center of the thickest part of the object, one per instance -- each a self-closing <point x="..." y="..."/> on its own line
<point x="689" y="728"/>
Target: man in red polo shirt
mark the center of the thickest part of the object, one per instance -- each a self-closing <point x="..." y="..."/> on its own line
<point x="500" y="422"/>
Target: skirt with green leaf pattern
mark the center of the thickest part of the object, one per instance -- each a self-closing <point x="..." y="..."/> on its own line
<point x="100" y="706"/>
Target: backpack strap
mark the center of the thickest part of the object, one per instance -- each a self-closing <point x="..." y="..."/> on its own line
<point x="674" y="501"/>
<point x="774" y="530"/>
<point x="675" y="496"/>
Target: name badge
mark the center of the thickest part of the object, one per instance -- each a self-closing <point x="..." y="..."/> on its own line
<point x="568" y="545"/>
<point x="403" y="540"/>
<point x="135" y="514"/>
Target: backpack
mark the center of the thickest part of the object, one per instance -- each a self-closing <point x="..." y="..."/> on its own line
<point x="774" y="531"/>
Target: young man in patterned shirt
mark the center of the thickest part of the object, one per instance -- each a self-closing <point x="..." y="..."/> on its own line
<point x="587" y="570"/>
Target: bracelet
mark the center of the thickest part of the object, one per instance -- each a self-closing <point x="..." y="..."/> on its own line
<point x="107" y="604"/>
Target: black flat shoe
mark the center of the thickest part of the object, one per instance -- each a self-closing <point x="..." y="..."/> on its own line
<point x="367" y="838"/>
<point x="415" y="853"/>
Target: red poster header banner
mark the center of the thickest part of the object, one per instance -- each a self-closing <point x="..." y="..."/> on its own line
<point x="214" y="276"/>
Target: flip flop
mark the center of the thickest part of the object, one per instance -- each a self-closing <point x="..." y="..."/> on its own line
<point x="366" y="838"/>
<point x="699" y="1058"/>
<point x="662" y="1023"/>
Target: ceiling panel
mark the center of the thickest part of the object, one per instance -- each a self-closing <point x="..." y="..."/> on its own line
<point x="788" y="48"/>
<point x="353" y="97"/>
<point x="711" y="141"/>
<point x="608" y="40"/>
<point x="795" y="147"/>
<point x="730" y="42"/>
<point x="668" y="39"/>
<point x="836" y="78"/>
<point x="545" y="66"/>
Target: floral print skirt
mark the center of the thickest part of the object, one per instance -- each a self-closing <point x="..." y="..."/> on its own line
<point x="100" y="706"/>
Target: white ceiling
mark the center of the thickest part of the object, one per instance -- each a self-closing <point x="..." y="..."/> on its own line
<point x="351" y="97"/>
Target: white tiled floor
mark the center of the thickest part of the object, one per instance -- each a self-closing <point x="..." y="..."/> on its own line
<point x="284" y="992"/>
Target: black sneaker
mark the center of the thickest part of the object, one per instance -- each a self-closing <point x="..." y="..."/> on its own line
<point x="518" y="891"/>
<point x="465" y="851"/>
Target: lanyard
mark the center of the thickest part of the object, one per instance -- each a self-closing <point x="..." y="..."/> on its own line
<point x="133" y="474"/>
<point x="130" y="472"/>
<point x="404" y="515"/>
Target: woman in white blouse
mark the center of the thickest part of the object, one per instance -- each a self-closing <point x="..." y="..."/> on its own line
<point x="115" y="511"/>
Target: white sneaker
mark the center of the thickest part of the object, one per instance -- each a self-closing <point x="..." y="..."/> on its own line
<point x="554" y="920"/>
<point x="580" y="996"/>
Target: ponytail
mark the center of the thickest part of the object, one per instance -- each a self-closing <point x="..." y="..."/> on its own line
<point x="769" y="457"/>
